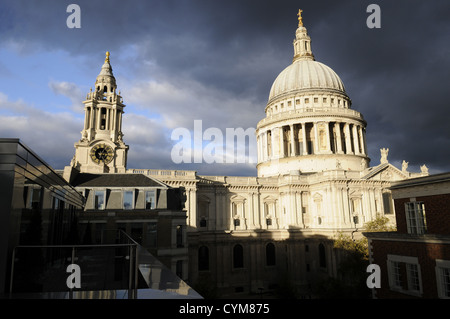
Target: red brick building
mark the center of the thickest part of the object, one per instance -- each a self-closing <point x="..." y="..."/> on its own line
<point x="415" y="260"/>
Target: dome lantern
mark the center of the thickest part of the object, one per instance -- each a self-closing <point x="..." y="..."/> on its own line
<point x="302" y="42"/>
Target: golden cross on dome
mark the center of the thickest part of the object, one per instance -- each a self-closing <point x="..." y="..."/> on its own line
<point x="107" y="57"/>
<point x="300" y="22"/>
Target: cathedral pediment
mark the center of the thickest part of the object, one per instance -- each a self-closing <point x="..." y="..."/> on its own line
<point x="386" y="172"/>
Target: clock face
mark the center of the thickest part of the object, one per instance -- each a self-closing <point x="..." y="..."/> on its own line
<point x="102" y="153"/>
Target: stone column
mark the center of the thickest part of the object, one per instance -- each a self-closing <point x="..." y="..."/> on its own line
<point x="355" y="139"/>
<point x="327" y="131"/>
<point x="281" y="142"/>
<point x="316" y="139"/>
<point x="120" y="121"/>
<point x="91" y="117"/>
<point x="264" y="143"/>
<point x="293" y="152"/>
<point x="361" y="139"/>
<point x="114" y="119"/>
<point x="86" y="118"/>
<point x="250" y="214"/>
<point x="305" y="146"/>
<point x="348" y="142"/>
<point x="257" y="209"/>
<point x="293" y="210"/>
<point x="98" y="118"/>
<point x="337" y="127"/>
<point x="364" y="140"/>
<point x="108" y="119"/>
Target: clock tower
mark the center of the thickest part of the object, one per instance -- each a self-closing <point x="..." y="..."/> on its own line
<point x="101" y="148"/>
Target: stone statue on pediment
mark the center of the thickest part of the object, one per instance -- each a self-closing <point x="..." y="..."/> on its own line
<point x="424" y="169"/>
<point x="384" y="155"/>
<point x="404" y="166"/>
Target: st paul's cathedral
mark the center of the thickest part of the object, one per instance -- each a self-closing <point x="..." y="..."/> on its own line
<point x="246" y="234"/>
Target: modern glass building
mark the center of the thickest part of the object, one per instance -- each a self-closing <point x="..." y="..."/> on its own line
<point x="37" y="208"/>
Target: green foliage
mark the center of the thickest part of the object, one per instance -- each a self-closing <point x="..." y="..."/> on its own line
<point x="352" y="275"/>
<point x="356" y="247"/>
<point x="378" y="225"/>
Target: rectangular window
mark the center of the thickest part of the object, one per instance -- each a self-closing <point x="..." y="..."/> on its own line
<point x="35" y="198"/>
<point x="151" y="235"/>
<point x="396" y="274"/>
<point x="387" y="203"/>
<point x="404" y="275"/>
<point x="136" y="232"/>
<point x="415" y="218"/>
<point x="99" y="200"/>
<point x="150" y="199"/>
<point x="180" y="236"/>
<point x="128" y="199"/>
<point x="413" y="277"/>
<point x="443" y="278"/>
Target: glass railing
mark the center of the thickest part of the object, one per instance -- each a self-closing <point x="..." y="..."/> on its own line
<point x="68" y="268"/>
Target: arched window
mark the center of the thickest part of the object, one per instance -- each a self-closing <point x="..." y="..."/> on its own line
<point x="238" y="256"/>
<point x="322" y="256"/>
<point x="270" y="254"/>
<point x="203" y="258"/>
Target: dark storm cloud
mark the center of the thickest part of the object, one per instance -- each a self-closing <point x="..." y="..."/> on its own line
<point x="397" y="76"/>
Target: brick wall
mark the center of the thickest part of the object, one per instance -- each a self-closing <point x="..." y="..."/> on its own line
<point x="426" y="253"/>
<point x="437" y="213"/>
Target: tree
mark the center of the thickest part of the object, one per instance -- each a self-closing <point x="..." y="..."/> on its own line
<point x="354" y="259"/>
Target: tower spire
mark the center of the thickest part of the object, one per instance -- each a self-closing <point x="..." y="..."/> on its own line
<point x="302" y="41"/>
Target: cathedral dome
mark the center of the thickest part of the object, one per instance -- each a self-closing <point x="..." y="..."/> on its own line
<point x="305" y="75"/>
<point x="309" y="125"/>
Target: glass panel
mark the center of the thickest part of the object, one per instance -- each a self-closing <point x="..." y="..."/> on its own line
<point x="151" y="235"/>
<point x="150" y="199"/>
<point x="99" y="200"/>
<point x="413" y="277"/>
<point x="446" y="281"/>
<point x="128" y="200"/>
